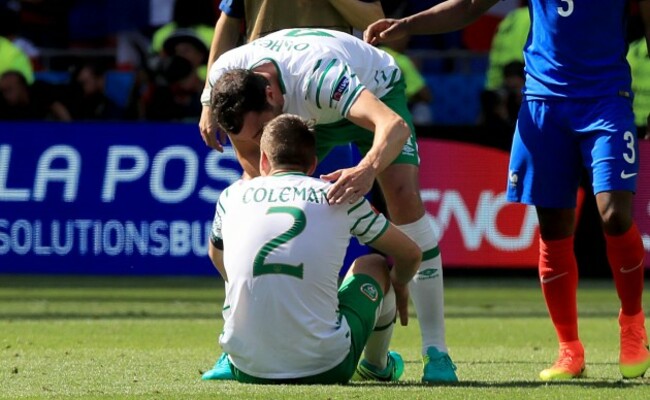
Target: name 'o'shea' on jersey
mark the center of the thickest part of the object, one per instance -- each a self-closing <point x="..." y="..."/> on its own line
<point x="577" y="49"/>
<point x="284" y="247"/>
<point x="321" y="71"/>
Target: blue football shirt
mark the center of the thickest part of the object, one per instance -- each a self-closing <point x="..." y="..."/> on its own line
<point x="577" y="49"/>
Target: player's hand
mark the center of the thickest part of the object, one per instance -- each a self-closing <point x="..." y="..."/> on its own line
<point x="212" y="137"/>
<point x="384" y="29"/>
<point x="402" y="300"/>
<point x="351" y="184"/>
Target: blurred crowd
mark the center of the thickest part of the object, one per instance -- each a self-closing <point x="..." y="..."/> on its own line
<point x="79" y="60"/>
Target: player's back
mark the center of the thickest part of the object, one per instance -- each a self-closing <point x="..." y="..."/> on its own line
<point x="320" y="71"/>
<point x="577" y="49"/>
<point x="284" y="246"/>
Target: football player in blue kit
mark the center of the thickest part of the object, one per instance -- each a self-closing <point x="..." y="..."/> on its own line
<point x="577" y="112"/>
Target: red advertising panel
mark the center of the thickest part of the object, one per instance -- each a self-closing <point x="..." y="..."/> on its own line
<point x="463" y="187"/>
<point x="642" y="198"/>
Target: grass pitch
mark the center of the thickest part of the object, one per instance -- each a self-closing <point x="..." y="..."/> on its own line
<point x="151" y="338"/>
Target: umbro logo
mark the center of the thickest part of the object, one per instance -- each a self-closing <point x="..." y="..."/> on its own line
<point x="428" y="273"/>
<point x="408" y="149"/>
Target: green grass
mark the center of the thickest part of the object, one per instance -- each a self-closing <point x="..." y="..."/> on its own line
<point x="151" y="338"/>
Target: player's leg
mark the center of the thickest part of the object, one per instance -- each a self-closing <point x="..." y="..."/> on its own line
<point x="378" y="363"/>
<point x="400" y="187"/>
<point x="558" y="275"/>
<point x="625" y="254"/>
<point x="361" y="299"/>
<point x="613" y="152"/>
<point x="221" y="369"/>
<point x="401" y="190"/>
<point x="545" y="171"/>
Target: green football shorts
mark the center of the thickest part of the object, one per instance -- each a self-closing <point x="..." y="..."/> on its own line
<point x="343" y="132"/>
<point x="359" y="300"/>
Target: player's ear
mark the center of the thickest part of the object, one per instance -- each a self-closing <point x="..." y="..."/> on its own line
<point x="265" y="164"/>
<point x="274" y="94"/>
<point x="270" y="95"/>
<point x="312" y="168"/>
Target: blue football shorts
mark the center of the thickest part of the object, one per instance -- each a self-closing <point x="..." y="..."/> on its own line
<point x="554" y="139"/>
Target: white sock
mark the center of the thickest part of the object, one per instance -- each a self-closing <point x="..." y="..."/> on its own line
<point x="377" y="346"/>
<point x="426" y="288"/>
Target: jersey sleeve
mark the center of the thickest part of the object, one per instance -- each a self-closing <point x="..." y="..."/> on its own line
<point x="332" y="84"/>
<point x="216" y="236"/>
<point x="231" y="59"/>
<point x="233" y="8"/>
<point x="366" y="223"/>
<point x="215" y="72"/>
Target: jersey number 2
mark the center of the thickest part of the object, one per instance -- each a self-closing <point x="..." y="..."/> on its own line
<point x="565" y="12"/>
<point x="260" y="266"/>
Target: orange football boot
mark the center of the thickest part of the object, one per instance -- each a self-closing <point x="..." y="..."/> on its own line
<point x="635" y="357"/>
<point x="570" y="363"/>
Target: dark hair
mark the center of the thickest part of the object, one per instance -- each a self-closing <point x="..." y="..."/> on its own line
<point x="236" y="93"/>
<point x="289" y="142"/>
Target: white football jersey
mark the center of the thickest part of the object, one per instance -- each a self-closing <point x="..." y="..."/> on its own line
<point x="321" y="72"/>
<point x="284" y="247"/>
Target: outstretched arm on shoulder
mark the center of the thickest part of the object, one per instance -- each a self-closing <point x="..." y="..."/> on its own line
<point x="391" y="133"/>
<point x="447" y="16"/>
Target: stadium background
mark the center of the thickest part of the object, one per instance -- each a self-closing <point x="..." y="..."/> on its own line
<point x="125" y="198"/>
<point x="111" y="198"/>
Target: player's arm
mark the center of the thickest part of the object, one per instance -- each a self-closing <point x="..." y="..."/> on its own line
<point x="406" y="257"/>
<point x="215" y="248"/>
<point x="405" y="252"/>
<point x="216" y="256"/>
<point x="226" y="37"/>
<point x="444" y="17"/>
<point x="373" y="229"/>
<point x="359" y="13"/>
<point x="391" y="133"/>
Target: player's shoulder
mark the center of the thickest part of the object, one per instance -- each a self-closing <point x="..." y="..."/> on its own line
<point x="233" y="58"/>
<point x="233" y="188"/>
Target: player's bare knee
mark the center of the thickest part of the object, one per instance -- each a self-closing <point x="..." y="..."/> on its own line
<point x="615" y="209"/>
<point x="615" y="221"/>
<point x="403" y="202"/>
<point x="373" y="265"/>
